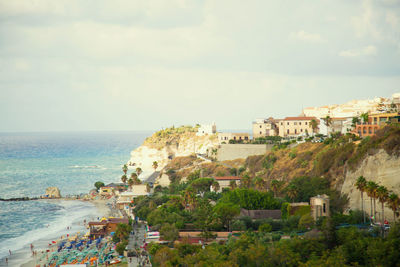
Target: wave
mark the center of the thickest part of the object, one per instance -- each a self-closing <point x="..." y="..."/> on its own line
<point x="71" y="213"/>
<point x="87" y="167"/>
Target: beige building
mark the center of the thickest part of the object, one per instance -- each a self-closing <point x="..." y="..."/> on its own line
<point x="319" y="206"/>
<point x="225" y="181"/>
<point x="225" y="137"/>
<point x="296" y="126"/>
<point x="264" y="127"/>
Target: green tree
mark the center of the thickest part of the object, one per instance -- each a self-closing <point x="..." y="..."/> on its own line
<point x="355" y="121"/>
<point x="364" y="117"/>
<point x="314" y="125"/>
<point x="202" y="185"/>
<point x="169" y="232"/>
<point x="383" y="195"/>
<point x="155" y="165"/>
<point x="225" y="212"/>
<point x="232" y="184"/>
<point x="124" y="178"/>
<point x="215" y="186"/>
<point x="265" y="228"/>
<point x="306" y="221"/>
<point x="394" y="203"/>
<point x="98" y="184"/>
<point x="328" y="122"/>
<point x="371" y="192"/>
<point x="361" y="185"/>
<point x="139" y="171"/>
<point x="259" y="183"/>
<point x="292" y="192"/>
<point x="131" y="182"/>
<point x="125" y="168"/>
<point x="276" y="186"/>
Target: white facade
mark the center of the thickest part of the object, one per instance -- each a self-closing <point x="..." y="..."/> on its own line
<point x="205" y="129"/>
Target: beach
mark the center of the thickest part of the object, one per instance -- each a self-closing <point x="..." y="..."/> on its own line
<point x="72" y="225"/>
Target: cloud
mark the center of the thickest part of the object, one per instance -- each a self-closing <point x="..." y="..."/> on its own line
<point x="369" y="50"/>
<point x="307" y="37"/>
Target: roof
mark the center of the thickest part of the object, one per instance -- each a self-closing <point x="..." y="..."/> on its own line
<point x="219" y="178"/>
<point x="118" y="220"/>
<point x="261" y="214"/>
<point x="299" y="118"/>
<point x="98" y="223"/>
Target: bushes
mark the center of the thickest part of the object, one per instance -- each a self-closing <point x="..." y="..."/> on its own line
<point x="251" y="199"/>
<point x="121" y="247"/>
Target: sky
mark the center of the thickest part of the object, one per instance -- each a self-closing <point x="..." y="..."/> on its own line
<point x="96" y="65"/>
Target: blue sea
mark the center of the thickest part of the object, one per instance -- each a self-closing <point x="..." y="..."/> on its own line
<point x="73" y="162"/>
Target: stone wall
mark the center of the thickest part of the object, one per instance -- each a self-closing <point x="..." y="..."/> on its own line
<point x="240" y="151"/>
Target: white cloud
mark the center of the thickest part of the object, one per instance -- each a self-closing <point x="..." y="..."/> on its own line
<point x="369" y="50"/>
<point x="307" y="37"/>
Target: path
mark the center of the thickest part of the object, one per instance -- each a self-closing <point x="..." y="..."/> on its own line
<point x="137" y="240"/>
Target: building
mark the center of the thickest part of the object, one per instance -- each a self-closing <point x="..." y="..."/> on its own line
<point x="338" y="125"/>
<point x="319" y="206"/>
<point x="225" y="181"/>
<point x="105" y="227"/>
<point x="375" y="121"/>
<point x="297" y="126"/>
<point x="261" y="214"/>
<point x="111" y="189"/>
<point x="206" y="129"/>
<point x="238" y="137"/>
<point x="125" y="198"/>
<point x="264" y="128"/>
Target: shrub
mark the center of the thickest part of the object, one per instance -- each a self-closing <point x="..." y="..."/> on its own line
<point x="239" y="225"/>
<point x="306" y="221"/>
<point x="265" y="228"/>
<point x="121" y="247"/>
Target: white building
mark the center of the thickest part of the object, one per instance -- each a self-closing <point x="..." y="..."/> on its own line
<point x="205" y="129"/>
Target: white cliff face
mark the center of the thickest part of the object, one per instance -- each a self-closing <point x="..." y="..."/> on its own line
<point x="380" y="168"/>
<point x="144" y="156"/>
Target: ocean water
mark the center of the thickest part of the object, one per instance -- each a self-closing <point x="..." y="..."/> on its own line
<point x="31" y="162"/>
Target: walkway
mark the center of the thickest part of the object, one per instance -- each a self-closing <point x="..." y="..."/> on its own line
<point x="135" y="241"/>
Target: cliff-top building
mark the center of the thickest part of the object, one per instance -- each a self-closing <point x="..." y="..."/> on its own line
<point x="375" y="121"/>
<point x="297" y="126"/>
<point x="264" y="128"/>
<point x="205" y="129"/>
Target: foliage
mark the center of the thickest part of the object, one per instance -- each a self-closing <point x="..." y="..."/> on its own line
<point x="98" y="184"/>
<point x="225" y="212"/>
<point x="169" y="232"/>
<point x="269" y="161"/>
<point x="306" y="221"/>
<point x="265" y="228"/>
<point x="251" y="199"/>
<point x="308" y="187"/>
<point x="121" y="247"/>
<point x="122" y="232"/>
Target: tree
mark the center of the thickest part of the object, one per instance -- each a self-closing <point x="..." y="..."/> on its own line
<point x="361" y="186"/>
<point x="355" y="121"/>
<point x="276" y="186"/>
<point x="148" y="188"/>
<point x="125" y="168"/>
<point x="265" y="228"/>
<point x="131" y="182"/>
<point x="215" y="186"/>
<point x="225" y="212"/>
<point x="98" y="184"/>
<point x="135" y="179"/>
<point x="232" y="185"/>
<point x="202" y="185"/>
<point x="314" y="125"/>
<point x="394" y="203"/>
<point x="292" y="192"/>
<point x="155" y="165"/>
<point x="383" y="195"/>
<point x="139" y="171"/>
<point x="328" y="122"/>
<point x="124" y="178"/>
<point x="371" y="192"/>
<point x="259" y="183"/>
<point x="169" y="232"/>
<point x="364" y="117"/>
<point x="306" y="221"/>
<point x="189" y="198"/>
<point x="246" y="181"/>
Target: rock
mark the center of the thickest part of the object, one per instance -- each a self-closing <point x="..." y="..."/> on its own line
<point x="53" y="192"/>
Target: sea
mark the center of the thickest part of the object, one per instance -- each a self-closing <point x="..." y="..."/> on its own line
<point x="71" y="161"/>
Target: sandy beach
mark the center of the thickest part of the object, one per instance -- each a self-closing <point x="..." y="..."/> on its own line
<point x="45" y="246"/>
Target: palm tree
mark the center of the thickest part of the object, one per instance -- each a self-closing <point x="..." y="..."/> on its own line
<point x="328" y="122"/>
<point x="382" y="194"/>
<point x="364" y="117"/>
<point x="259" y="183"/>
<point x="232" y="184"/>
<point x="139" y="171"/>
<point x="135" y="179"/>
<point x="155" y="165"/>
<point x="355" y="121"/>
<point x="215" y="186"/>
<point x="394" y="203"/>
<point x="314" y="125"/>
<point x="371" y="192"/>
<point x="125" y="168"/>
<point x="246" y="181"/>
<point x="292" y="192"/>
<point x="124" y="178"/>
<point x="130" y="182"/>
<point x="276" y="186"/>
<point x="189" y="198"/>
<point x="361" y="185"/>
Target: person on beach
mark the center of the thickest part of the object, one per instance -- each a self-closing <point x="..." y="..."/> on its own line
<point x="9" y="252"/>
<point x="7" y="261"/>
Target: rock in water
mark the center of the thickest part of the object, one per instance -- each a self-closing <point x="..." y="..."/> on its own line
<point x="53" y="192"/>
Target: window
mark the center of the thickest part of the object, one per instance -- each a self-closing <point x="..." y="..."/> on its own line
<point x="287" y="123"/>
<point x="260" y="132"/>
<point x="306" y="123"/>
<point x="281" y="123"/>
<point x="295" y="123"/>
<point x="260" y="126"/>
<point x="324" y="208"/>
<point x="299" y="123"/>
<point x="295" y="131"/>
<point x="301" y="130"/>
<point x="287" y="131"/>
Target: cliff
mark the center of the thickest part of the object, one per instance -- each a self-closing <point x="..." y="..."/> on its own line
<point x="167" y="144"/>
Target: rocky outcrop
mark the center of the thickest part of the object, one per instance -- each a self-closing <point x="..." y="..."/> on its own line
<point x="185" y="145"/>
<point x="53" y="192"/>
<point x="381" y="168"/>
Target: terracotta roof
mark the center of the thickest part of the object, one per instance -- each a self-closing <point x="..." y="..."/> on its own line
<point x="97" y="223"/>
<point x="298" y="118"/>
<point x="227" y="178"/>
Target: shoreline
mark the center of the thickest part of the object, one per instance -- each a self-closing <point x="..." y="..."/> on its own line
<point x="24" y="257"/>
